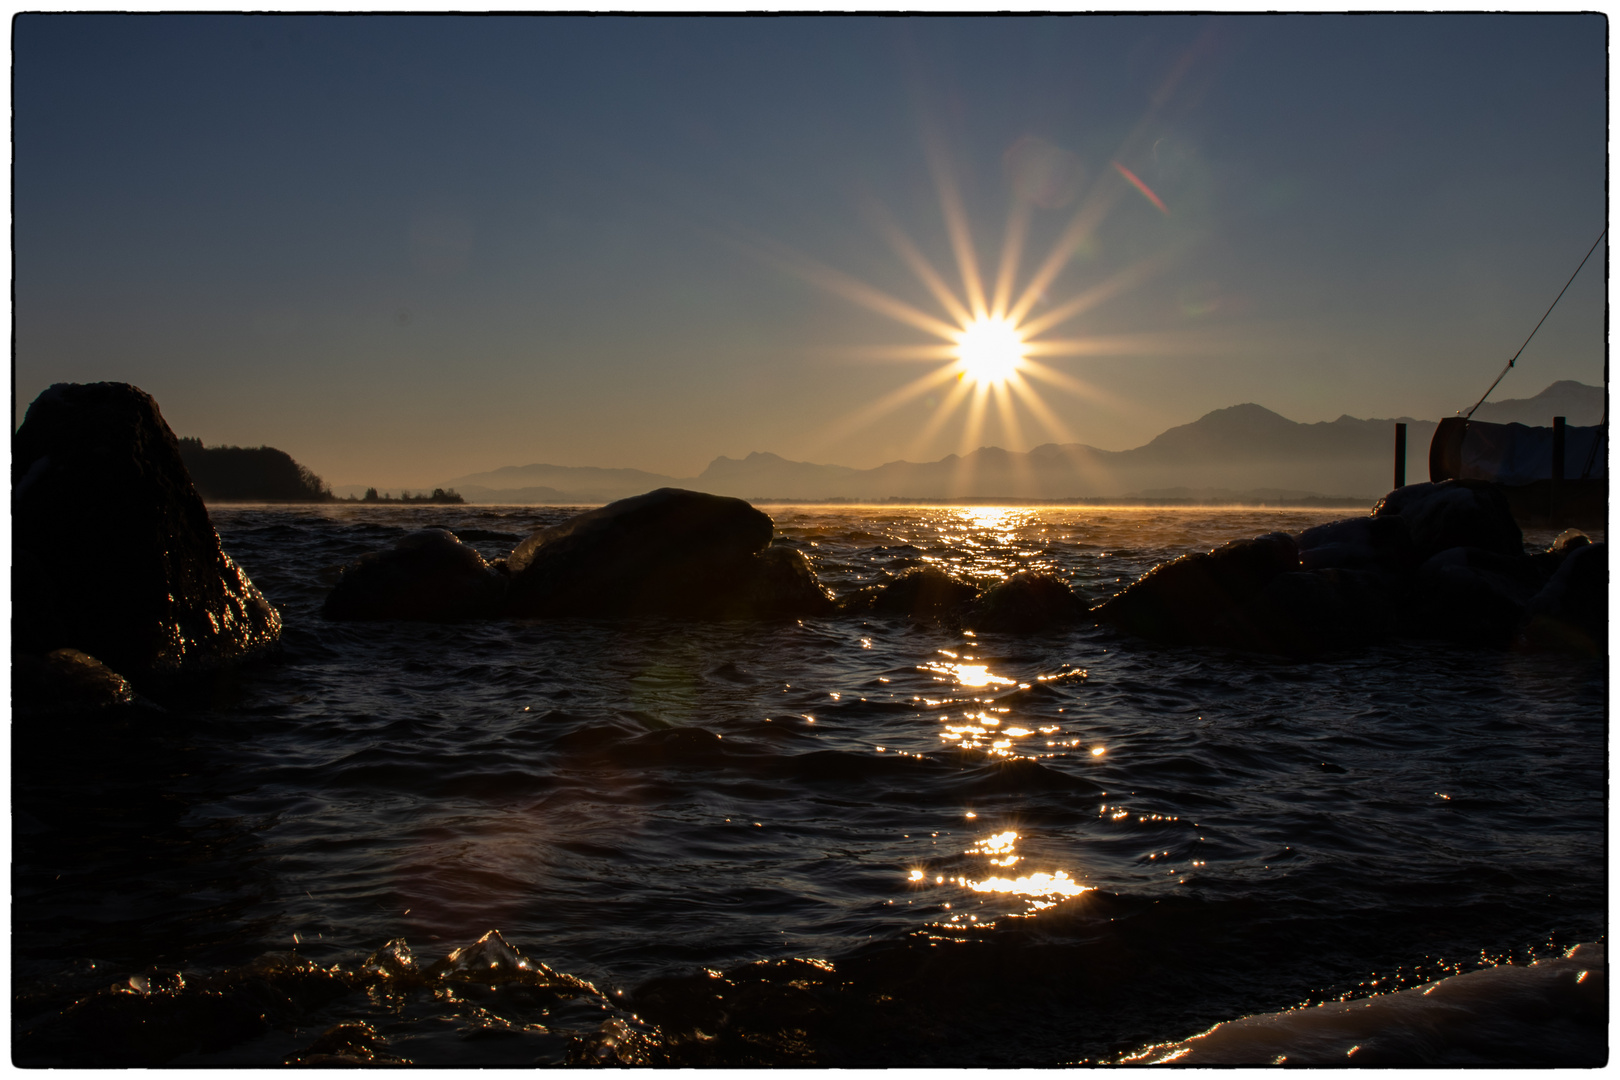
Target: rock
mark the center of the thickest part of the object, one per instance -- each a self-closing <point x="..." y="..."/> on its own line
<point x="668" y="552"/>
<point x="1383" y="543"/>
<point x="114" y="553"/>
<point x="66" y="682"/>
<point x="1309" y="612"/>
<point x="427" y="576"/>
<point x="1196" y="599"/>
<point x="922" y="592"/>
<point x="780" y="584"/>
<point x="1454" y="513"/>
<point x="1025" y="603"/>
<point x="1471" y="595"/>
<point x="1570" y="613"/>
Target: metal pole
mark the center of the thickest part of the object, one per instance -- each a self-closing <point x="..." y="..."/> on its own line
<point x="1400" y="455"/>
<point x="1554" y="496"/>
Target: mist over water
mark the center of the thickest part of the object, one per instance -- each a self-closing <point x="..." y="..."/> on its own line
<point x="995" y="850"/>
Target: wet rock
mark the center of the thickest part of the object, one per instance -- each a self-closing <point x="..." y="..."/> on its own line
<point x="1196" y="599"/>
<point x="1471" y="595"/>
<point x="427" y="576"/>
<point x="922" y="592"/>
<point x="1571" y="612"/>
<point x="150" y="1019"/>
<point x="114" y="553"/>
<point x="66" y="682"/>
<point x="1383" y="543"/>
<point x="779" y="583"/>
<point x="1026" y="603"/>
<point x="1454" y="513"/>
<point x="668" y="552"/>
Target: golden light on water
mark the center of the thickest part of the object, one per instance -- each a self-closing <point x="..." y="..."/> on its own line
<point x="1039" y="884"/>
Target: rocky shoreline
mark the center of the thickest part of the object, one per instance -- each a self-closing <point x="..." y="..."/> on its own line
<point x="121" y="579"/>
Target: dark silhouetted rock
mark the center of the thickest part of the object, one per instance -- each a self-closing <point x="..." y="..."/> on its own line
<point x="427" y="576"/>
<point x="1196" y="599"/>
<point x="114" y="553"/>
<point x="1026" y="603"/>
<point x="1571" y="612"/>
<point x="668" y="552"/>
<point x="65" y="682"/>
<point x="778" y="584"/>
<point x="922" y="592"/>
<point x="1454" y="513"/>
<point x="1308" y="612"/>
<point x="1471" y="595"/>
<point x="1359" y="542"/>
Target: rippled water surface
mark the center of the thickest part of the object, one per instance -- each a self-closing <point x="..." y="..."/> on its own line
<point x="995" y="849"/>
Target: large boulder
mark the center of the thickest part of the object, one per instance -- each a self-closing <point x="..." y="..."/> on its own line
<point x="1472" y="595"/>
<point x="428" y="575"/>
<point x="1025" y="603"/>
<point x="1571" y="612"/>
<point x="668" y="552"/>
<point x="1454" y="513"/>
<point x="1196" y="599"/>
<point x="114" y="553"/>
<point x="1307" y="612"/>
<point x="1367" y="542"/>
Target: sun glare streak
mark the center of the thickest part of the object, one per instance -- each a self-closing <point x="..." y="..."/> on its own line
<point x="990" y="337"/>
<point x="1012" y="251"/>
<point x="1125" y="280"/>
<point x="858" y="291"/>
<point x="956" y="227"/>
<point x="872" y="411"/>
<point x="902" y="246"/>
<point x="931" y="353"/>
<point x="1143" y="188"/>
<point x="1079" y="230"/>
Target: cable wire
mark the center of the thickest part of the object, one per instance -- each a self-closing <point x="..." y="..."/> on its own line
<point x="1550" y="307"/>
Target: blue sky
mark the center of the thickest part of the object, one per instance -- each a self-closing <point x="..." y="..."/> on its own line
<point x="409" y="248"/>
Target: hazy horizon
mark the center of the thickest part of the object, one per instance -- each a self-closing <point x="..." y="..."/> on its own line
<point x="404" y="249"/>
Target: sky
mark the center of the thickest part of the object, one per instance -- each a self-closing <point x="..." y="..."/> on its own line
<point x="406" y="249"/>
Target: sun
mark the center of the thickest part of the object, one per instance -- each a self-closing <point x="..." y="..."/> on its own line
<point x="990" y="351"/>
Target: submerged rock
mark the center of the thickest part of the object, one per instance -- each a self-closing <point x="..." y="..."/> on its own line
<point x="66" y="682"/>
<point x="114" y="552"/>
<point x="1025" y="603"/>
<point x="922" y="592"/>
<point x="427" y="576"/>
<point x="668" y="552"/>
<point x="1454" y="513"/>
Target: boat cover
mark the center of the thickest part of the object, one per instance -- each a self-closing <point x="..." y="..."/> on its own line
<point x="1513" y="453"/>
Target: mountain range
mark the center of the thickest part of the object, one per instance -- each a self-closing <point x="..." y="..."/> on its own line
<point x="1242" y="453"/>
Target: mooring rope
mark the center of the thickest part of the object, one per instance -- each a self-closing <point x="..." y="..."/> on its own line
<point x="1550" y="307"/>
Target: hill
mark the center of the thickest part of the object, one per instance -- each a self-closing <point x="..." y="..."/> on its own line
<point x="250" y="474"/>
<point x="1241" y="452"/>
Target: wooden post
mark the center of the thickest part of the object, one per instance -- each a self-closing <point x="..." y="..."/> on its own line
<point x="1400" y="455"/>
<point x="1555" y="496"/>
